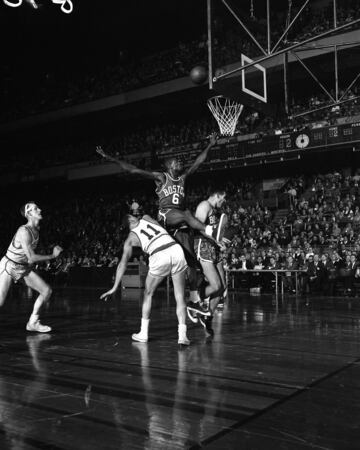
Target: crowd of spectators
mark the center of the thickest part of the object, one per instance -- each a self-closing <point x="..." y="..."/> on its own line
<point x="319" y="235"/>
<point x="53" y="91"/>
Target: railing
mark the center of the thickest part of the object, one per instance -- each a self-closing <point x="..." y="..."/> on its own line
<point x="275" y="272"/>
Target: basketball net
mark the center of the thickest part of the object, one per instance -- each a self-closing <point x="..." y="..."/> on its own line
<point x="226" y="113"/>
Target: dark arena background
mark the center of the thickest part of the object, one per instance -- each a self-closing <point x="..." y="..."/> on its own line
<point x="276" y="364"/>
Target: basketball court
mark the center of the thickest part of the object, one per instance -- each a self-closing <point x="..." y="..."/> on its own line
<point x="280" y="372"/>
<point x="277" y="374"/>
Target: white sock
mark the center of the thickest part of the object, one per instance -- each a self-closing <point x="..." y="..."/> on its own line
<point x="34" y="318"/>
<point x="208" y="230"/>
<point x="194" y="296"/>
<point x="182" y="331"/>
<point x="144" y="326"/>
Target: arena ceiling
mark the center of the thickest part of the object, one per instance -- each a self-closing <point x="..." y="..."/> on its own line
<point x="99" y="32"/>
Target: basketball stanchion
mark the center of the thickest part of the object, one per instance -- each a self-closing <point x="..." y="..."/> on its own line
<point x="226" y="113"/>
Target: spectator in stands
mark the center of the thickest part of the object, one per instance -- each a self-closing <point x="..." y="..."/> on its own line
<point x="269" y="278"/>
<point x="313" y="273"/>
<point x="289" y="278"/>
<point x="257" y="277"/>
<point x="352" y="270"/>
<point x="245" y="264"/>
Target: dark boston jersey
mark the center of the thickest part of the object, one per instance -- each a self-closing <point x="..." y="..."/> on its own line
<point x="212" y="218"/>
<point x="172" y="193"/>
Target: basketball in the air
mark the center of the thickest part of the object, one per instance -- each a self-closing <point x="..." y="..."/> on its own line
<point x="198" y="74"/>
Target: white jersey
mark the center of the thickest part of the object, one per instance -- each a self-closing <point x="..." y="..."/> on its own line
<point x="151" y="236"/>
<point x="15" y="252"/>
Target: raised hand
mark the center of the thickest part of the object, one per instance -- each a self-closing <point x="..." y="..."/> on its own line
<point x="213" y="138"/>
<point x="57" y="250"/>
<point x="101" y="152"/>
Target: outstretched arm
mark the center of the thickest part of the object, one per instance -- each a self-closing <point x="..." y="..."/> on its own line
<point x="202" y="157"/>
<point x="127" y="252"/>
<point x="127" y="167"/>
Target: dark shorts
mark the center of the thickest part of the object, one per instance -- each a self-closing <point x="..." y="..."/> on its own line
<point x="207" y="251"/>
<point x="185" y="237"/>
<point x="171" y="218"/>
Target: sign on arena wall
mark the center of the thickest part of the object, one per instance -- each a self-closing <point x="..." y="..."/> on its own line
<point x="233" y="152"/>
<point x="273" y="184"/>
<point x="66" y="5"/>
<point x="270" y="147"/>
<point x="351" y="119"/>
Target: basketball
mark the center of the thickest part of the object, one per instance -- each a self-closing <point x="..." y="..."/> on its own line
<point x="198" y="74"/>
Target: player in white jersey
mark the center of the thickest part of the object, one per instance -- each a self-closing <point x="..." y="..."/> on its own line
<point x="18" y="264"/>
<point x="166" y="257"/>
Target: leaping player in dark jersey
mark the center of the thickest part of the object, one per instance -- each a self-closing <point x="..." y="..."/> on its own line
<point x="170" y="188"/>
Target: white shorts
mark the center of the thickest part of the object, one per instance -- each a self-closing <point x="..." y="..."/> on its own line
<point x="14" y="270"/>
<point x="168" y="261"/>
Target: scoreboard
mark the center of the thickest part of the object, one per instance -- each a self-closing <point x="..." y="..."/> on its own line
<point x="242" y="149"/>
<point x="304" y="140"/>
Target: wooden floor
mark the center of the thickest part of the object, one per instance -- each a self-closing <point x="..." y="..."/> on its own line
<point x="277" y="375"/>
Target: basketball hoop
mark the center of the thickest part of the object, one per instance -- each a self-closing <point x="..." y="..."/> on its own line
<point x="226" y="113"/>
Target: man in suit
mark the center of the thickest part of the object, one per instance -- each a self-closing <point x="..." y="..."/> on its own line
<point x="351" y="266"/>
<point x="333" y="273"/>
<point x="245" y="264"/>
<point x="289" y="278"/>
<point x="269" y="278"/>
<point x="326" y="274"/>
<point x="314" y="273"/>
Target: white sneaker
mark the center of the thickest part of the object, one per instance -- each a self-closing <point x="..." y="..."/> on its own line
<point x="139" y="337"/>
<point x="37" y="327"/>
<point x="184" y="341"/>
